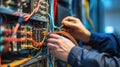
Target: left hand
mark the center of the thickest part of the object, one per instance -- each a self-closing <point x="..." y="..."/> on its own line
<point x="76" y="28"/>
<point x="60" y="46"/>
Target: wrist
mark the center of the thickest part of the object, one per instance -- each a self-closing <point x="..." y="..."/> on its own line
<point x="85" y="36"/>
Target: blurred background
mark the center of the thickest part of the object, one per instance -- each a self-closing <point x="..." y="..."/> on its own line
<point x="102" y="15"/>
<point x="111" y="16"/>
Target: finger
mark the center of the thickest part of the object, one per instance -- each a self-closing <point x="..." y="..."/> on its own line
<point x="53" y="40"/>
<point x="56" y="36"/>
<point x="69" y="18"/>
<point x="51" y="46"/>
<point x="52" y="52"/>
<point x="70" y="21"/>
<point x="69" y="24"/>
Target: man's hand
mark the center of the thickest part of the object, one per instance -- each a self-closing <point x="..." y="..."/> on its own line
<point x="59" y="46"/>
<point x="76" y="28"/>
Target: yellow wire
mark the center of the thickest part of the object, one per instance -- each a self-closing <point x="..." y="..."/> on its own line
<point x="30" y="46"/>
<point x="68" y="65"/>
<point x="86" y="5"/>
<point x="88" y="14"/>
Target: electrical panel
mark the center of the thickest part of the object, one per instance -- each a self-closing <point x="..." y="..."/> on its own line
<point x="22" y="41"/>
<point x="43" y="8"/>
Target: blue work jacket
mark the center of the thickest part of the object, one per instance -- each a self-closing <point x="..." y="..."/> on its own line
<point x="107" y="54"/>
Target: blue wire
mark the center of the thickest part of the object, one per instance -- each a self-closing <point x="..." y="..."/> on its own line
<point x="71" y="7"/>
<point x="51" y="8"/>
<point x="52" y="25"/>
<point x="50" y="62"/>
<point x="51" y="15"/>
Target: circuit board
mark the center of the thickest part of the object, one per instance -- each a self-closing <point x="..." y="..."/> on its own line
<point x="22" y="41"/>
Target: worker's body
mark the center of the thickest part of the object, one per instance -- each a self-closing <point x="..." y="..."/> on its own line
<point x="108" y="46"/>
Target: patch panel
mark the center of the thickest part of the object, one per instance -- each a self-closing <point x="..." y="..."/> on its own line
<point x="35" y="31"/>
<point x="43" y="9"/>
<point x="23" y="40"/>
<point x="26" y="44"/>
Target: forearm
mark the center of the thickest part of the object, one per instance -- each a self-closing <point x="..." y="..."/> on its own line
<point x="84" y="36"/>
<point x="79" y="57"/>
<point x="108" y="43"/>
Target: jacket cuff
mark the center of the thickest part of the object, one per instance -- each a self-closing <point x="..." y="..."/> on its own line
<point x="75" y="51"/>
<point x="95" y="38"/>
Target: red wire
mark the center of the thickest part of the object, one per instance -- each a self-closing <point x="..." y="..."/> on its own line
<point x="11" y="39"/>
<point x="27" y="16"/>
<point x="55" y="8"/>
<point x="36" y="43"/>
<point x="8" y="31"/>
<point x="0" y="60"/>
<point x="15" y="29"/>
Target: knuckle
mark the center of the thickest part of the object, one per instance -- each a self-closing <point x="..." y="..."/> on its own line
<point x="59" y="41"/>
<point x="77" y="19"/>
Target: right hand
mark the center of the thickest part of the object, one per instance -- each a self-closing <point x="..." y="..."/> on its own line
<point x="76" y="28"/>
<point x="59" y="46"/>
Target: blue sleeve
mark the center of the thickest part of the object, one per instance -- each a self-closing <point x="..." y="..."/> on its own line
<point x="108" y="43"/>
<point x="79" y="57"/>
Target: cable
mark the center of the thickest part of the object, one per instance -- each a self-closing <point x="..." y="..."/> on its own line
<point x="16" y="63"/>
<point x="34" y="60"/>
<point x="66" y="34"/>
<point x="71" y="3"/>
<point x="11" y="39"/>
<point x="0" y="59"/>
<point x="88" y="14"/>
<point x="30" y="46"/>
<point x="27" y="16"/>
<point x="55" y="8"/>
<point x="36" y="43"/>
<point x="51" y="16"/>
<point x="14" y="39"/>
<point x="52" y="25"/>
<point x="8" y="31"/>
<point x="15" y="29"/>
